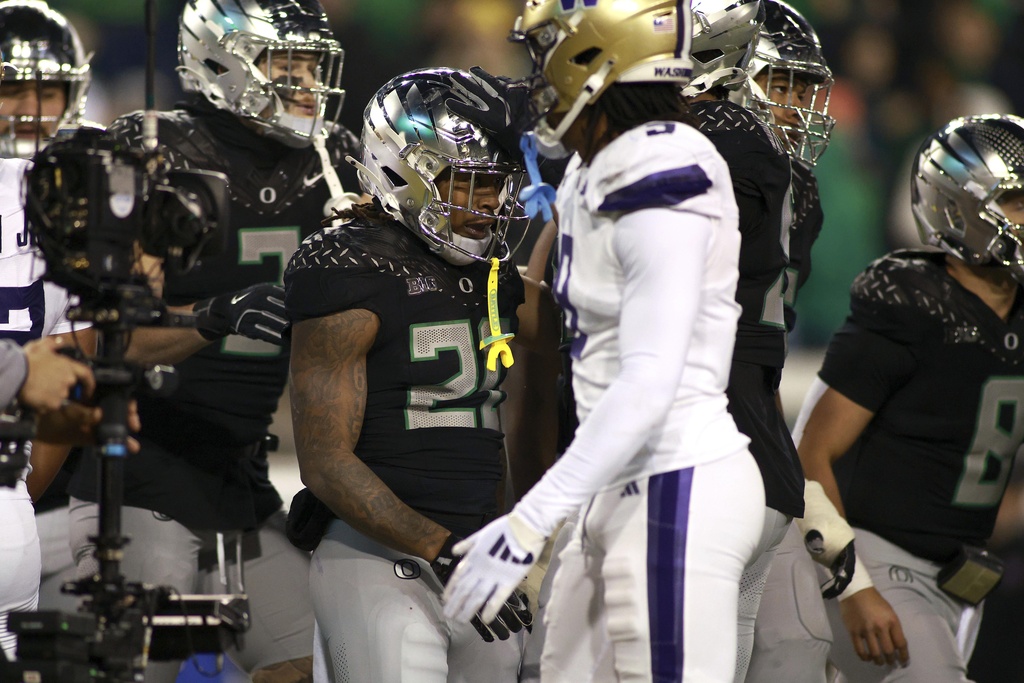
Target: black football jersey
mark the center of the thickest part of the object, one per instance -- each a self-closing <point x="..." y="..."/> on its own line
<point x="229" y="390"/>
<point x="760" y="171"/>
<point x="807" y="221"/>
<point x="944" y="376"/>
<point x="430" y="429"/>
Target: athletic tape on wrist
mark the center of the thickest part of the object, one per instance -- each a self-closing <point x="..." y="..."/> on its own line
<point x="861" y="580"/>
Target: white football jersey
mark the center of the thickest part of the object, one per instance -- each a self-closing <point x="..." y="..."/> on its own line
<point x="664" y="166"/>
<point x="29" y="307"/>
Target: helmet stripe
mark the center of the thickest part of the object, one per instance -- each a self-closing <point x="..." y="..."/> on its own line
<point x="682" y="28"/>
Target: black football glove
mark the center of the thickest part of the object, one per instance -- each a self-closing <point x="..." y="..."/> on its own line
<point x="497" y="104"/>
<point x="256" y="312"/>
<point x="513" y="617"/>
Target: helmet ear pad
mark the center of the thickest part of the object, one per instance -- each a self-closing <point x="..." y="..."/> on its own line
<point x="234" y="67"/>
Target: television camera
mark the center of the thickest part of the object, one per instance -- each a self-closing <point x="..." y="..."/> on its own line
<point x="96" y="210"/>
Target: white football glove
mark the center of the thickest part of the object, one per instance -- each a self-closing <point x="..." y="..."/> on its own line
<point x="495" y="560"/>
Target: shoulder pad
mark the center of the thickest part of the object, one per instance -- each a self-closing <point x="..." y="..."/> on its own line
<point x="908" y="286"/>
<point x="903" y="295"/>
<point x="662" y="164"/>
<point x="184" y="142"/>
<point x="723" y="117"/>
<point x="343" y="247"/>
<point x="364" y="246"/>
<point x="805" y="191"/>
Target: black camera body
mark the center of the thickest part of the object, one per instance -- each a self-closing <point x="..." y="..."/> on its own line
<point x="55" y="646"/>
<point x="94" y="206"/>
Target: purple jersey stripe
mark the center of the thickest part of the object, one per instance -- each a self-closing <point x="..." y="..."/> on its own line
<point x="31" y="298"/>
<point x="668" y="511"/>
<point x="665" y="188"/>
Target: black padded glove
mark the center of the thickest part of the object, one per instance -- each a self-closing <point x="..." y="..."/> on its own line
<point x="256" y="312"/>
<point x="497" y="104"/>
<point x="308" y="519"/>
<point x="513" y="617"/>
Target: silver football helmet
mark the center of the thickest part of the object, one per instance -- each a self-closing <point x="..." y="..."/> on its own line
<point x="790" y="82"/>
<point x="412" y="142"/>
<point x="958" y="178"/>
<point x="272" y="62"/>
<point x="724" y="33"/>
<point x="41" y="48"/>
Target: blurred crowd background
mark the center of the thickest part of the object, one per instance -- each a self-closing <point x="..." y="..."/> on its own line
<point x="903" y="68"/>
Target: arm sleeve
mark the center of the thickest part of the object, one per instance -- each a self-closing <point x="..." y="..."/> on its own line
<point x="13" y="370"/>
<point x="653" y="350"/>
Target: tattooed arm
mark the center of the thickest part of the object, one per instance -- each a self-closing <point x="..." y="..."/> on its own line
<point x="328" y="396"/>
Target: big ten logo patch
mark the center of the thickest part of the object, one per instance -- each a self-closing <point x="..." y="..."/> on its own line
<point x="419" y="285"/>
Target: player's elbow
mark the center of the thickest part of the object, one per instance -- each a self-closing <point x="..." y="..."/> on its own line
<point x="312" y="475"/>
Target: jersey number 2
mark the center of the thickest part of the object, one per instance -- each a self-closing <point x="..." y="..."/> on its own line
<point x="431" y="406"/>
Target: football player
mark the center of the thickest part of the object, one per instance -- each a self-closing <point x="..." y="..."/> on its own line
<point x="45" y="88"/>
<point x="672" y="502"/>
<point x="912" y="426"/>
<point x="31" y="308"/>
<point x="395" y="388"/>
<point x="49" y="78"/>
<point x="724" y="33"/>
<point x="788" y="86"/>
<point x="265" y="75"/>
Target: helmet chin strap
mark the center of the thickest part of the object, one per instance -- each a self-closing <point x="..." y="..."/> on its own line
<point x="339" y="199"/>
<point x="590" y="87"/>
<point x="473" y="246"/>
<point x="729" y="77"/>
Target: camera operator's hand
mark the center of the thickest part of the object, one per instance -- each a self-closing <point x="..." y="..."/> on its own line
<point x="74" y="424"/>
<point x="51" y="376"/>
<point x="256" y="312"/>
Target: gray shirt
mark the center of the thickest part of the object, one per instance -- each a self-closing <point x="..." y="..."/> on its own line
<point x="13" y="370"/>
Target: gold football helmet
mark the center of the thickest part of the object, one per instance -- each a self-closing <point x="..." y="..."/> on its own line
<point x="580" y="47"/>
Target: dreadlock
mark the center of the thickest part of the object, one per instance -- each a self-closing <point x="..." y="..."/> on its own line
<point x="369" y="211"/>
<point x="628" y="105"/>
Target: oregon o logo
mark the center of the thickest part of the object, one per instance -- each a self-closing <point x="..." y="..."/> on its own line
<point x="1010" y="341"/>
<point x="407" y="569"/>
<point x="466" y="285"/>
<point x="900" y="574"/>
<point x="268" y="195"/>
